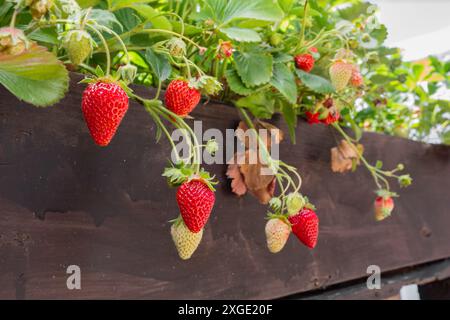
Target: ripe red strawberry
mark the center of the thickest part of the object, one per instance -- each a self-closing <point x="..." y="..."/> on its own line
<point x="181" y="98"/>
<point x="383" y="207"/>
<point x="313" y="50"/>
<point x="356" y="80"/>
<point x="340" y="74"/>
<point x="304" y="62"/>
<point x="312" y="117"/>
<point x="277" y="234"/>
<point x="305" y="225"/>
<point x="333" y="116"/>
<point x="104" y="105"/>
<point x="195" y="200"/>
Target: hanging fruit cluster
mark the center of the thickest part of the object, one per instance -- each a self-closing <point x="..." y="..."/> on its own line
<point x="294" y="58"/>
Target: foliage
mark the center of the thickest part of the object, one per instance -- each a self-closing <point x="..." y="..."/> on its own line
<point x="249" y="46"/>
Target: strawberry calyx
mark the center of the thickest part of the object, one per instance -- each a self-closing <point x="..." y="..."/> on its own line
<point x="281" y="217"/>
<point x="181" y="172"/>
<point x="385" y="194"/>
<point x="176" y="221"/>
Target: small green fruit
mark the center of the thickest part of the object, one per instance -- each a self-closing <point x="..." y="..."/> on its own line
<point x="78" y="44"/>
<point x="294" y="202"/>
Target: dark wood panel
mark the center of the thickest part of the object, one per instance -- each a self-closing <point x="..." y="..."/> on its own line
<point x="65" y="201"/>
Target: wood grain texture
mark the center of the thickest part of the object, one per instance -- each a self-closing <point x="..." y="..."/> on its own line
<point x="65" y="201"/>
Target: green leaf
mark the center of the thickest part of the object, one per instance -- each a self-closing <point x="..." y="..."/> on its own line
<point x="381" y="79"/>
<point x="315" y="82"/>
<point x="153" y="16"/>
<point x="189" y="29"/>
<point x="240" y="34"/>
<point x="45" y="35"/>
<point x="355" y="11"/>
<point x="128" y="18"/>
<point x="281" y="57"/>
<point x="235" y="83"/>
<point x="104" y="18"/>
<point x="159" y="64"/>
<point x="35" y="76"/>
<point x="284" y="81"/>
<point x="118" y="4"/>
<point x="225" y="11"/>
<point x="290" y="117"/>
<point x="254" y="68"/>
<point x="258" y="104"/>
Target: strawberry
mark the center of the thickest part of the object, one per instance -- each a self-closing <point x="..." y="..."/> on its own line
<point x="312" y="117"/>
<point x="304" y="62"/>
<point x="328" y="103"/>
<point x="356" y="79"/>
<point x="39" y="8"/>
<point x="12" y="41"/>
<point x="78" y="44"/>
<point x="185" y="241"/>
<point x="305" y="225"/>
<point x="104" y="104"/>
<point x="181" y="98"/>
<point x="313" y="50"/>
<point x="195" y="200"/>
<point x="383" y="206"/>
<point x="340" y="74"/>
<point x="224" y="50"/>
<point x="333" y="116"/>
<point x="277" y="234"/>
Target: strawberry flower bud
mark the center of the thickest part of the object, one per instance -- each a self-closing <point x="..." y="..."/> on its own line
<point x="209" y="85"/>
<point x="127" y="72"/>
<point x="177" y="47"/>
<point x="212" y="146"/>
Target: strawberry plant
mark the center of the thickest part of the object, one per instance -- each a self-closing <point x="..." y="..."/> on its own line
<point x="324" y="61"/>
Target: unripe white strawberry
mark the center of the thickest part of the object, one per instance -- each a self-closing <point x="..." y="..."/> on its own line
<point x="277" y="234"/>
<point x="340" y="74"/>
<point x="185" y="241"/>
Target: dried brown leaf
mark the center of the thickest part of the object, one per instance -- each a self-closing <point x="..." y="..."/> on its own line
<point x="237" y="180"/>
<point x="343" y="156"/>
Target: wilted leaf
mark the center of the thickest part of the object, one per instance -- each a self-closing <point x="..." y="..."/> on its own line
<point x="344" y="157"/>
<point x="237" y="180"/>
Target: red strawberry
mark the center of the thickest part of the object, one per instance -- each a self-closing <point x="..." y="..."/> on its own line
<point x="104" y="104"/>
<point x="333" y="116"/>
<point x="383" y="207"/>
<point x="195" y="200"/>
<point x="312" y="117"/>
<point x="313" y="50"/>
<point x="305" y="225"/>
<point x="356" y="80"/>
<point x="181" y="98"/>
<point x="328" y="103"/>
<point x="304" y="62"/>
<point x="340" y="74"/>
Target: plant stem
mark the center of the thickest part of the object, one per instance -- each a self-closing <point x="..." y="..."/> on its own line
<point x="105" y="45"/>
<point x="13" y="18"/>
<point x="305" y="15"/>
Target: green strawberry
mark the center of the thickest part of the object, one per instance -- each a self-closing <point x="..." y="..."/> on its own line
<point x="185" y="241"/>
<point x="78" y="44"/>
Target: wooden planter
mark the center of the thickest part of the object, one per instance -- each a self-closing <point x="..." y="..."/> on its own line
<point x="65" y="201"/>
